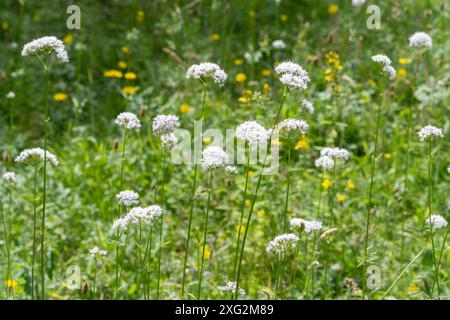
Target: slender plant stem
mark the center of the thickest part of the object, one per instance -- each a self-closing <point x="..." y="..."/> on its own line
<point x="288" y="182"/>
<point x="294" y="266"/>
<point x="255" y="195"/>
<point x="205" y="232"/>
<point x="244" y="196"/>
<point x="116" y="289"/>
<point x="369" y="204"/>
<point x="8" y="252"/>
<point x="436" y="275"/>
<point x="94" y="285"/>
<point x="161" y="222"/>
<point x="123" y="161"/>
<point x="33" y="257"/>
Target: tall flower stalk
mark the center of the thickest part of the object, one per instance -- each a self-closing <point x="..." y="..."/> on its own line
<point x="7" y="243"/>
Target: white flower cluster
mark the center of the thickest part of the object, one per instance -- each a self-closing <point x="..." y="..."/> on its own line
<point x="298" y="225"/>
<point x="252" y="132"/>
<point x="292" y="75"/>
<point x="46" y="45"/>
<point x="335" y="153"/>
<point x="214" y="157"/>
<point x="279" y="44"/>
<point x="96" y="252"/>
<point x="127" y="198"/>
<point x="430" y="132"/>
<point x="308" y="106"/>
<point x="358" y="3"/>
<point x="138" y="215"/>
<point x="35" y="155"/>
<point x="386" y="63"/>
<point x="207" y="70"/>
<point x="324" y="162"/>
<point x="10" y="177"/>
<point x="128" y="120"/>
<point x="282" y="245"/>
<point x="437" y="221"/>
<point x="10" y="95"/>
<point x="165" y="124"/>
<point x="169" y="140"/>
<point x="288" y="125"/>
<point x="231" y="170"/>
<point x="231" y="287"/>
<point x="420" y="40"/>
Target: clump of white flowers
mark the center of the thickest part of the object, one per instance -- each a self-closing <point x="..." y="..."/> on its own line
<point x="128" y="120"/>
<point x="35" y="155"/>
<point x="358" y="3"/>
<point x="448" y="169"/>
<point x="207" y="70"/>
<point x="288" y="125"/>
<point x="292" y="75"/>
<point x="279" y="44"/>
<point x="231" y="170"/>
<point x="430" y="132"/>
<point x="335" y="153"/>
<point x="144" y="215"/>
<point x="324" y="162"/>
<point x="232" y="286"/>
<point x="120" y="224"/>
<point x="97" y="253"/>
<point x="282" y="245"/>
<point x="437" y="221"/>
<point x="127" y="198"/>
<point x="299" y="225"/>
<point x="9" y="177"/>
<point x="165" y="124"/>
<point x="385" y="62"/>
<point x="420" y="40"/>
<point x="214" y="157"/>
<point x="169" y="140"/>
<point x="10" y="95"/>
<point x="252" y="132"/>
<point x="46" y="45"/>
<point x="308" y="106"/>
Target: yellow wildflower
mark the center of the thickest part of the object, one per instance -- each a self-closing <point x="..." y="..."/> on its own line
<point x="206" y="253"/>
<point x="184" y="108"/>
<point x="387" y="155"/>
<point x="140" y="15"/>
<point x="302" y="143"/>
<point x="129" y="90"/>
<point x="251" y="173"/>
<point x="60" y="96"/>
<point x="241" y="230"/>
<point x="413" y="288"/>
<point x="326" y="183"/>
<point x="68" y="38"/>
<point x="283" y="18"/>
<point x="11" y="283"/>
<point x="401" y="73"/>
<point x="251" y="14"/>
<point x="130" y="76"/>
<point x="340" y="198"/>
<point x="241" y="77"/>
<point x="113" y="74"/>
<point x="125" y="50"/>
<point x="261" y="213"/>
<point x="266" y="87"/>
<point x="122" y="64"/>
<point x="266" y="73"/>
<point x="5" y="25"/>
<point x="238" y="62"/>
<point x="333" y="8"/>
<point x="350" y="184"/>
<point x="248" y="202"/>
<point x="404" y="60"/>
<point x="215" y="37"/>
<point x="207" y="140"/>
<point x="243" y="100"/>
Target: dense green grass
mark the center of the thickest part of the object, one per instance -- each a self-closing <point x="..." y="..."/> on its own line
<point x="161" y="44"/>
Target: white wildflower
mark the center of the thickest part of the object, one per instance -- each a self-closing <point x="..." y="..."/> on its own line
<point x="288" y="125"/>
<point x="381" y="59"/>
<point x="10" y="95"/>
<point x="35" y="155"/>
<point x="231" y="169"/>
<point x="46" y="45"/>
<point x="214" y="157"/>
<point x="231" y="287"/>
<point x="324" y="162"/>
<point x="96" y="252"/>
<point x="121" y="224"/>
<point x="430" y="132"/>
<point x="292" y="75"/>
<point x="165" y="124"/>
<point x="308" y="106"/>
<point x="298" y="225"/>
<point x="128" y="120"/>
<point x="207" y="70"/>
<point x="420" y="40"/>
<point x="294" y="82"/>
<point x="358" y="3"/>
<point x="169" y="140"/>
<point x="279" y="44"/>
<point x="390" y="72"/>
<point x="10" y="177"/>
<point x="252" y="132"/>
<point x="282" y="245"/>
<point x="127" y="198"/>
<point x="335" y="153"/>
<point x="437" y="221"/>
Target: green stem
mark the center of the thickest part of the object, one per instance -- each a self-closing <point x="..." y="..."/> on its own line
<point x="94" y="287"/>
<point x="8" y="252"/>
<point x="161" y="222"/>
<point x="33" y="257"/>
<point x="288" y="182"/>
<point x="369" y="205"/>
<point x="205" y="232"/>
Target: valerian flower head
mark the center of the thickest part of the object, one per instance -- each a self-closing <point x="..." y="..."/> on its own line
<point x="420" y="40"/>
<point x="232" y="286"/>
<point x="335" y="153"/>
<point x="231" y="170"/>
<point x="430" y="132"/>
<point x="9" y="177"/>
<point x="169" y="140"/>
<point x="292" y="75"/>
<point x="279" y="44"/>
<point x="46" y="45"/>
<point x="282" y="245"/>
<point x="214" y="157"/>
<point x="437" y="221"/>
<point x="127" y="198"/>
<point x="299" y="225"/>
<point x="358" y="3"/>
<point x="128" y="120"/>
<point x="324" y="162"/>
<point x="207" y="70"/>
<point x="35" y="156"/>
<point x="165" y="124"/>
<point x="382" y="59"/>
<point x="308" y="106"/>
<point x="97" y="253"/>
<point x="252" y="132"/>
<point x="292" y="125"/>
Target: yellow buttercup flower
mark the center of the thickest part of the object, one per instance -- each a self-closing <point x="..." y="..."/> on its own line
<point x="243" y="100"/>
<point x="215" y="37"/>
<point x="251" y="173"/>
<point x="129" y="90"/>
<point x="251" y="14"/>
<point x="266" y="73"/>
<point x="248" y="202"/>
<point x="122" y="64"/>
<point x="60" y="96"/>
<point x="404" y="60"/>
<point x="302" y="143"/>
<point x="283" y="18"/>
<point x="238" y="62"/>
<point x="333" y="8"/>
<point x="68" y="38"/>
<point x="350" y="184"/>
<point x="125" y="50"/>
<point x="387" y="155"/>
<point x="5" y="25"/>
<point x="184" y="108"/>
<point x="207" y="140"/>
<point x="266" y="87"/>
<point x="207" y="252"/>
<point x="326" y="183"/>
<point x="140" y="15"/>
<point x="341" y="198"/>
<point x="413" y="288"/>
<point x="241" y="230"/>
<point x="401" y="73"/>
<point x="241" y="77"/>
<point x="113" y="74"/>
<point x="11" y="283"/>
<point x="260" y="213"/>
<point x="130" y="76"/>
